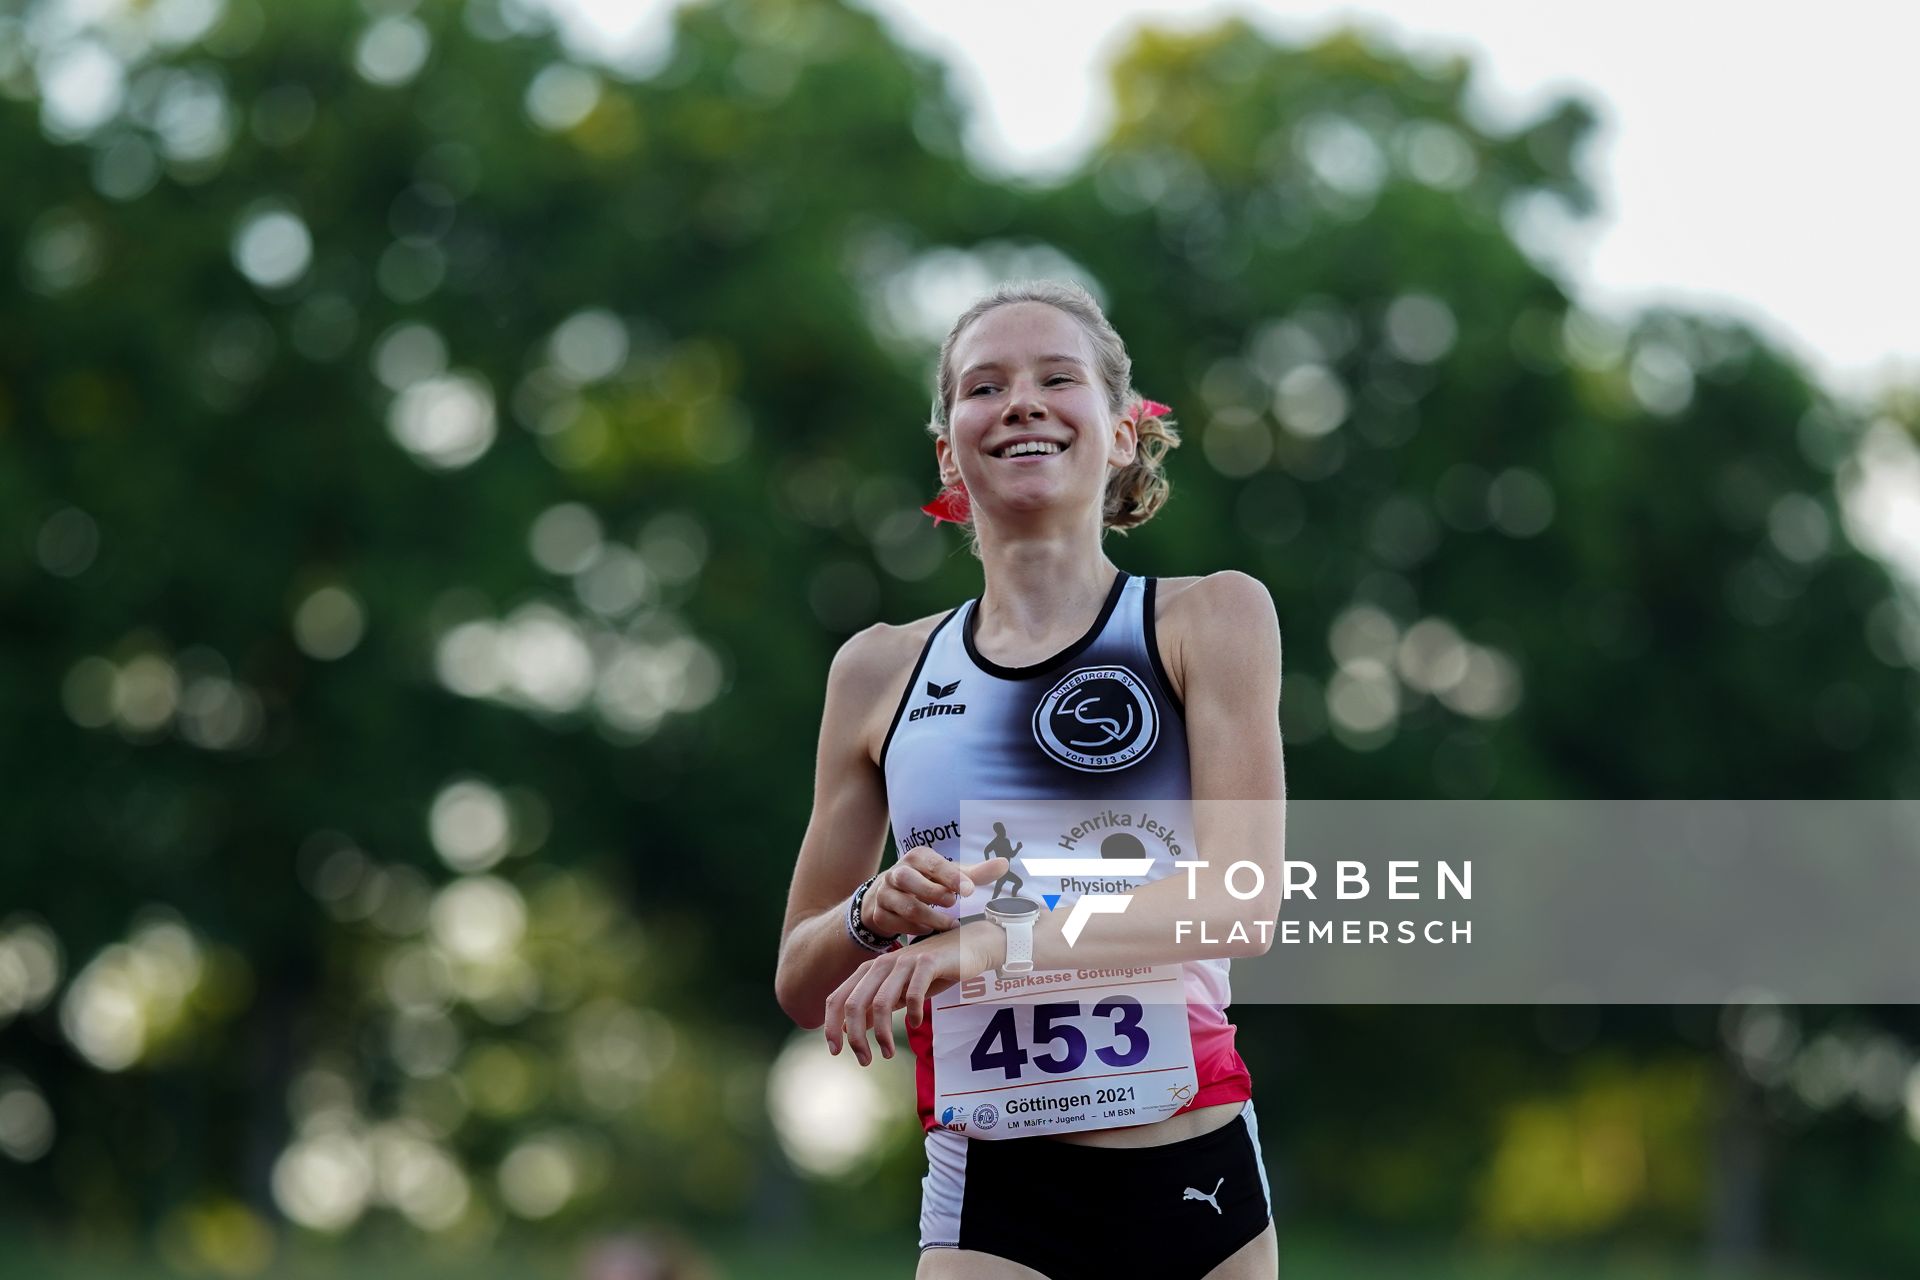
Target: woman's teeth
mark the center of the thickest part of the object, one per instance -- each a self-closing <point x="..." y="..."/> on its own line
<point x="1029" y="446"/>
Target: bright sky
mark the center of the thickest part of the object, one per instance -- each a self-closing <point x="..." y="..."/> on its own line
<point x="1752" y="159"/>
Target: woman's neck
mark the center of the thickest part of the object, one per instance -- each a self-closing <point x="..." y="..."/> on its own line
<point x="1040" y="589"/>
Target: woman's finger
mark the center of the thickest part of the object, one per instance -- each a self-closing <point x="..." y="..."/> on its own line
<point x="923" y="858"/>
<point x="984" y="872"/>
<point x="886" y="998"/>
<point x="858" y="1003"/>
<point x="836" y="1009"/>
<point x="915" y="995"/>
<point x="940" y="870"/>
<point x="926" y="889"/>
<point x="915" y="914"/>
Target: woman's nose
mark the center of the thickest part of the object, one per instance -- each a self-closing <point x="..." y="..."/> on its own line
<point x="1022" y="405"/>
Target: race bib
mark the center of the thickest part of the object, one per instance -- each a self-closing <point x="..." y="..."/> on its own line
<point x="1064" y="1050"/>
<point x="1061" y="1051"/>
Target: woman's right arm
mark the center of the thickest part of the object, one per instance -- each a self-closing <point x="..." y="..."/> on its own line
<point x="845" y="835"/>
<point x="848" y="831"/>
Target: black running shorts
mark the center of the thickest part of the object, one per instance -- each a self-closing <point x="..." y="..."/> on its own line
<point x="1070" y="1211"/>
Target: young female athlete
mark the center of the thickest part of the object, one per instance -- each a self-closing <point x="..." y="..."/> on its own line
<point x="1067" y="678"/>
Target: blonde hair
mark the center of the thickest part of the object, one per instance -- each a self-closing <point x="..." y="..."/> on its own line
<point x="1134" y="492"/>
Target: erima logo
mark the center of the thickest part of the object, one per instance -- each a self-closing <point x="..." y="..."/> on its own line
<point x="939" y="708"/>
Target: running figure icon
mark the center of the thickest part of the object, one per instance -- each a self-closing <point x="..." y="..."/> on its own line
<point x="1000" y="847"/>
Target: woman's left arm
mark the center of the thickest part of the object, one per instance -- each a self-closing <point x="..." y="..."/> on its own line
<point x="1228" y="652"/>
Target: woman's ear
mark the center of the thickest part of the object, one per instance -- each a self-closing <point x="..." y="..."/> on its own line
<point x="1126" y="442"/>
<point x="944" y="461"/>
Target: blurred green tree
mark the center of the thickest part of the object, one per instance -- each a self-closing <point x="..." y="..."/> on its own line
<point x="435" y="472"/>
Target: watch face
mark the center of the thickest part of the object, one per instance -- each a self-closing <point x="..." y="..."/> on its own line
<point x="1008" y="910"/>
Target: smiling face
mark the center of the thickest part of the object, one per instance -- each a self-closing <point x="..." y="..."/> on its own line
<point x="1031" y="424"/>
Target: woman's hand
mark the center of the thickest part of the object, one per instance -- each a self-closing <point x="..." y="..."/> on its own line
<point x="904" y="979"/>
<point x="903" y="899"/>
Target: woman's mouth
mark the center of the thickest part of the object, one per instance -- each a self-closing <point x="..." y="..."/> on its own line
<point x="1030" y="449"/>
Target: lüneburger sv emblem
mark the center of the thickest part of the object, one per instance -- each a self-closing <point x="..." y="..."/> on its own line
<point x="1096" y="719"/>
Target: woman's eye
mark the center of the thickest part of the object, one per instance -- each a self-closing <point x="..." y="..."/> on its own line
<point x="988" y="386"/>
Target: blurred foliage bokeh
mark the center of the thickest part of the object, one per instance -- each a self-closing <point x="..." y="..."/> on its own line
<point x="437" y="466"/>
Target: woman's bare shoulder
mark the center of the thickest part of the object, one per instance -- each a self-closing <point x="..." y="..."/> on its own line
<point x="873" y="667"/>
<point x="1171" y="589"/>
<point x="1186" y="607"/>
<point x="1227" y="592"/>
<point x="877" y="653"/>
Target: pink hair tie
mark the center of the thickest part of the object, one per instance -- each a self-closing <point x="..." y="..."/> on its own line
<point x="1152" y="409"/>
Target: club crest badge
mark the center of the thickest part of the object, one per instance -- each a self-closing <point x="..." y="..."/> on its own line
<point x="1097" y="719"/>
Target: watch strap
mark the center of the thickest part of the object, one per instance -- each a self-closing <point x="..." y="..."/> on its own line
<point x="1019" y="943"/>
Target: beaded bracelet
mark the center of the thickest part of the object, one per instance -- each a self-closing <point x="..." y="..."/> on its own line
<point x="857" y="930"/>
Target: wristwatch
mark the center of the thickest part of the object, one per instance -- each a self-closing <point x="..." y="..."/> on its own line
<point x="1016" y="917"/>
